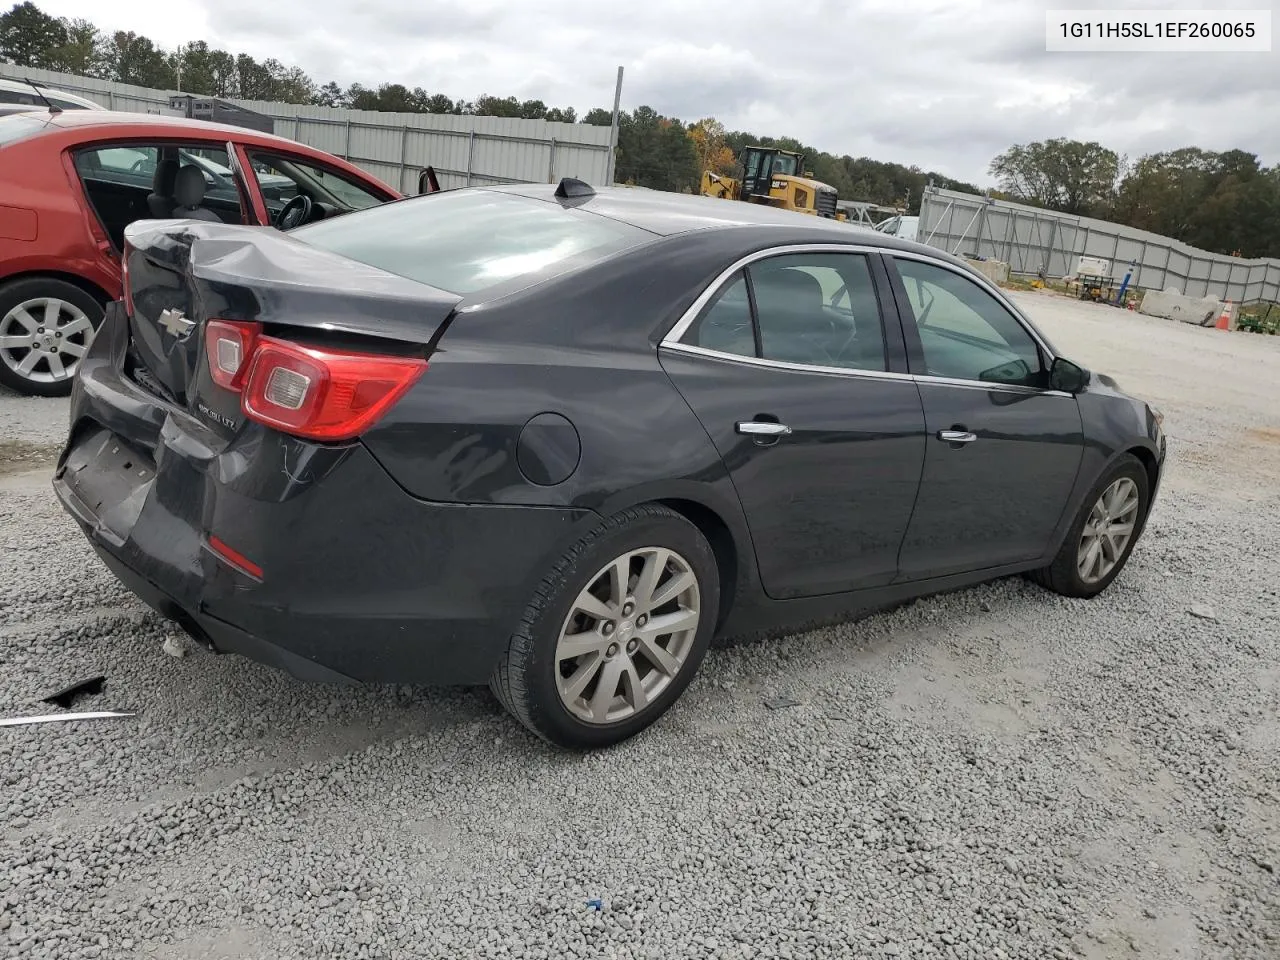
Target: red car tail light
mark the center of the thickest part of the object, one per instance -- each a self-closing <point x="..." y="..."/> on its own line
<point x="229" y="348"/>
<point x="323" y="394"/>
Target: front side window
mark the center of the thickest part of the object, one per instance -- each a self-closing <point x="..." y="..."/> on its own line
<point x="816" y="309"/>
<point x="283" y="178"/>
<point x="965" y="333"/>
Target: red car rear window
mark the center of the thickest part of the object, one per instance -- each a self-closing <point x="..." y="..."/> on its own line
<point x="19" y="126"/>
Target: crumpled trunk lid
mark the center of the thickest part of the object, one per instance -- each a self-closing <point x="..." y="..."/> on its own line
<point x="181" y="274"/>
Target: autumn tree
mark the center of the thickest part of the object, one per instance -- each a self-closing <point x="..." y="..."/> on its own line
<point x="710" y="148"/>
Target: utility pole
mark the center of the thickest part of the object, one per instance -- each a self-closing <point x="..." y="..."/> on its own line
<point x="177" y="60"/>
<point x="613" y="132"/>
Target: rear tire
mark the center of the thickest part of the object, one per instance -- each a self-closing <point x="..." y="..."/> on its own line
<point x="46" y="328"/>
<point x="1092" y="554"/>
<point x="589" y="666"/>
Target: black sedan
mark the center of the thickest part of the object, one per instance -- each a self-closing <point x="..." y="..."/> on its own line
<point x="555" y="439"/>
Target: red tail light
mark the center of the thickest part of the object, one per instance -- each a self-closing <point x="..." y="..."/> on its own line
<point x="324" y="394"/>
<point x="229" y="347"/>
<point x="306" y="391"/>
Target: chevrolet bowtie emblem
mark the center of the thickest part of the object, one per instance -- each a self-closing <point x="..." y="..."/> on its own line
<point x="176" y="323"/>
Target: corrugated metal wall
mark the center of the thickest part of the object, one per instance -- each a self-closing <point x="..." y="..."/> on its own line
<point x="395" y="147"/>
<point x="1030" y="239"/>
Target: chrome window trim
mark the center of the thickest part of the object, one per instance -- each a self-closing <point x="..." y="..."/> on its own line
<point x="697" y="351"/>
<point x="672" y="339"/>
<point x="986" y="286"/>
<point x="856" y="373"/>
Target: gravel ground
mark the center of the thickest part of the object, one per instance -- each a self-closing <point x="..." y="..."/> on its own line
<point x="994" y="773"/>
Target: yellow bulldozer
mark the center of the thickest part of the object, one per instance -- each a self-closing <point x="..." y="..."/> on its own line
<point x="777" y="178"/>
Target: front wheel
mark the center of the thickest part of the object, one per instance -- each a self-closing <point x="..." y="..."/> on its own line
<point x="1104" y="533"/>
<point x="615" y="632"/>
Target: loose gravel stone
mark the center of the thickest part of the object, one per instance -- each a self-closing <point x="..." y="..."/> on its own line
<point x="996" y="773"/>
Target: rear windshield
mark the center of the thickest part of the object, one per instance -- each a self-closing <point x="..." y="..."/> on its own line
<point x="19" y="126"/>
<point x="470" y="240"/>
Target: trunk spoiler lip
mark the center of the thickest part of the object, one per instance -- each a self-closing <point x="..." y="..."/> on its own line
<point x="297" y="285"/>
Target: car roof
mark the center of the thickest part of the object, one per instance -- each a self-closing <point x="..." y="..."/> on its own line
<point x="668" y="214"/>
<point x="88" y="120"/>
<point x="18" y="86"/>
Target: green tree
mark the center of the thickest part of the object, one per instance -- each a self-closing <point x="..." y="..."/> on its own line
<point x="290" y="84"/>
<point x="491" y="106"/>
<point x="598" y="117"/>
<point x="78" y="53"/>
<point x="655" y="151"/>
<point x="205" y="71"/>
<point x="130" y="58"/>
<point x="329" y="95"/>
<point x="439" y="103"/>
<point x="29" y="36"/>
<point x="1068" y="175"/>
<point x="253" y="79"/>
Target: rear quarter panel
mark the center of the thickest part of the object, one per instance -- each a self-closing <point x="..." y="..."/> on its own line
<point x="583" y="347"/>
<point x="44" y="225"/>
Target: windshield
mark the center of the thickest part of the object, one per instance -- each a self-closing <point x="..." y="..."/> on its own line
<point x="19" y="126"/>
<point x="470" y="240"/>
<point x="783" y="164"/>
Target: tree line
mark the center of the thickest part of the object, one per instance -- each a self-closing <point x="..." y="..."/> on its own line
<point x="1226" y="202"/>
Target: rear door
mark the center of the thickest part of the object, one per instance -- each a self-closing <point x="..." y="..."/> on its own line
<point x="803" y="390"/>
<point x="1003" y="449"/>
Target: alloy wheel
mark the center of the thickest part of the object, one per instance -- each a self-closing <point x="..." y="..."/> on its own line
<point x="1108" y="530"/>
<point x="43" y="340"/>
<point x="628" y="635"/>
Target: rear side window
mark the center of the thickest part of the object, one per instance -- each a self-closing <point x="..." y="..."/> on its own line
<point x="19" y="126"/>
<point x="467" y="241"/>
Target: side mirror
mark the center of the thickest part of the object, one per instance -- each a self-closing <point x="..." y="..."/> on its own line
<point x="1067" y="376"/>
<point x="427" y="182"/>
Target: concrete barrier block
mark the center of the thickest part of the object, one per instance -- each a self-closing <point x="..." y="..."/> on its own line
<point x="1172" y="305"/>
<point x="997" y="271"/>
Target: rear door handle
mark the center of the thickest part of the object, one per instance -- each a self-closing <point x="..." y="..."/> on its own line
<point x="762" y="428"/>
<point x="957" y="436"/>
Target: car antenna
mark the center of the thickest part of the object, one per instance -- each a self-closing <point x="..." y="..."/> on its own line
<point x="40" y="93"/>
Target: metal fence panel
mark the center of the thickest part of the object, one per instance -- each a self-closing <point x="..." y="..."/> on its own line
<point x="395" y="147"/>
<point x="1030" y="239"/>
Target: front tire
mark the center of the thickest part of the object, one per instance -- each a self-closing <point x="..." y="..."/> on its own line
<point x="1104" y="533"/>
<point x="46" y="328"/>
<point x="614" y="633"/>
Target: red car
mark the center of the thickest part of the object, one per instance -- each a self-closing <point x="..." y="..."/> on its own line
<point x="71" y="182"/>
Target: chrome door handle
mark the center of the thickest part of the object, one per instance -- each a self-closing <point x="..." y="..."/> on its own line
<point x="763" y="428"/>
<point x="957" y="436"/>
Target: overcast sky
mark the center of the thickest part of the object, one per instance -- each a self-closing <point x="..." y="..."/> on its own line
<point x="944" y="85"/>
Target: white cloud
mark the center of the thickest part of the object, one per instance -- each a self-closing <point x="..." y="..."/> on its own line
<point x="943" y="84"/>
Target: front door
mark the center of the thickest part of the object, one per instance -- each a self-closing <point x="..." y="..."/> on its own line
<point x="786" y="369"/>
<point x="1003" y="449"/>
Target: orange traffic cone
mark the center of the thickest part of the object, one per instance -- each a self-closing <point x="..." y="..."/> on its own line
<point x="1224" y="319"/>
